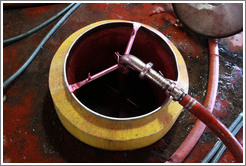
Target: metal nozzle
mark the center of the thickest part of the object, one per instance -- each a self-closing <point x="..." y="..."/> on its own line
<point x="146" y="70"/>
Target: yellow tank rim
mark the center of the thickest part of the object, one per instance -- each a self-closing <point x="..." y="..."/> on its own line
<point x="104" y="133"/>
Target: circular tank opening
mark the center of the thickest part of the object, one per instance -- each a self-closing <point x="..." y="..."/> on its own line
<point x="117" y="94"/>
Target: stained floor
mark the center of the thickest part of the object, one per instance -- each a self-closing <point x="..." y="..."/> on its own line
<point x="32" y="131"/>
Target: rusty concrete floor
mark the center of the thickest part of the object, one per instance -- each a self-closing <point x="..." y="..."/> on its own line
<point x="32" y="132"/>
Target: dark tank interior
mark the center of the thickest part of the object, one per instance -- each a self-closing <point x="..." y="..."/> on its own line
<point x="119" y="94"/>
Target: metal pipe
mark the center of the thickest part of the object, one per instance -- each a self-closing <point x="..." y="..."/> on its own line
<point x="146" y="71"/>
<point x="136" y="26"/>
<point x="188" y="102"/>
<point x="90" y="78"/>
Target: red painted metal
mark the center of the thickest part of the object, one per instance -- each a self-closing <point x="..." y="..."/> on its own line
<point x="90" y="78"/>
<point x="77" y="85"/>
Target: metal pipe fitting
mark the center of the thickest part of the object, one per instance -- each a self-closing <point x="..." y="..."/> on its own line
<point x="146" y="70"/>
<point x="189" y="103"/>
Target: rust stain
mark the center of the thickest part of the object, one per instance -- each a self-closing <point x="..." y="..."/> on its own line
<point x="32" y="131"/>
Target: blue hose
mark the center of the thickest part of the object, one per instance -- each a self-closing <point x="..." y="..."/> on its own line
<point x="38" y="27"/>
<point x="223" y="147"/>
<point x="219" y="143"/>
<point x="23" y="67"/>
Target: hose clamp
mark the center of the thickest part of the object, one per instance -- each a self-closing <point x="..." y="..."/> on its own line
<point x="176" y="93"/>
<point x="145" y="70"/>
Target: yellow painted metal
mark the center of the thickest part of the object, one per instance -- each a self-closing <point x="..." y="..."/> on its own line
<point x="106" y="133"/>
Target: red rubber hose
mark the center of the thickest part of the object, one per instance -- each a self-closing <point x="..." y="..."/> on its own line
<point x="213" y="74"/>
<point x="215" y="125"/>
<point x="190" y="141"/>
